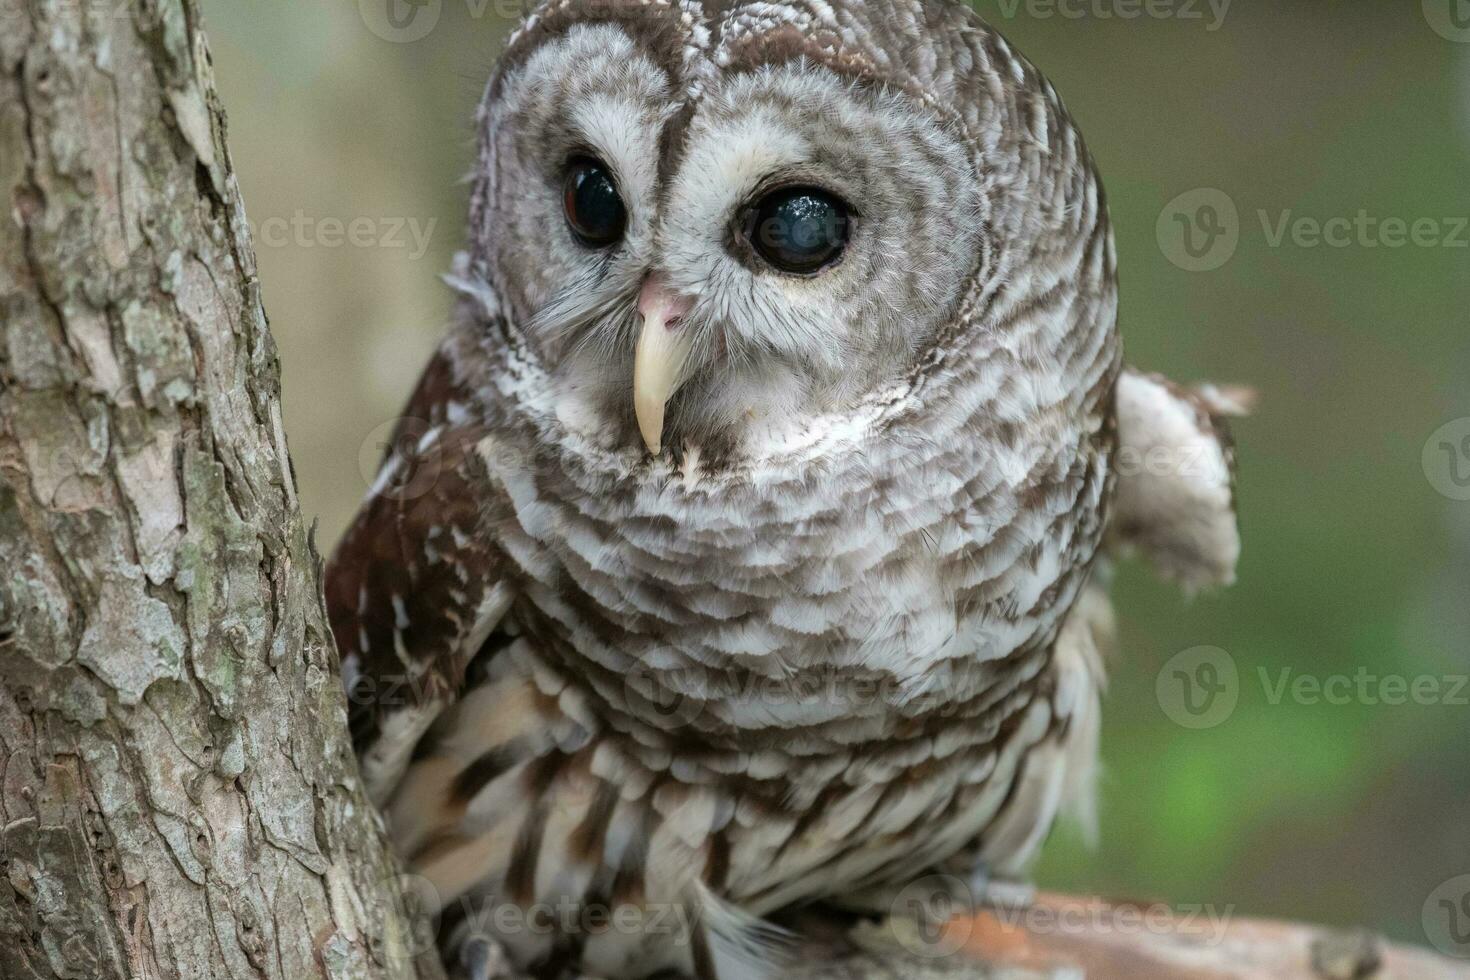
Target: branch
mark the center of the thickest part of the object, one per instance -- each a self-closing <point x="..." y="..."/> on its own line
<point x="1064" y="938"/>
<point x="178" y="796"/>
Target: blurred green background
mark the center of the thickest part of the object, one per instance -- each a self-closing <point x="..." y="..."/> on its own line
<point x="1344" y="813"/>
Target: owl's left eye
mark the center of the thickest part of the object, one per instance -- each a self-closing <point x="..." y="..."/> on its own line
<point x="800" y="230"/>
<point x="595" y="212"/>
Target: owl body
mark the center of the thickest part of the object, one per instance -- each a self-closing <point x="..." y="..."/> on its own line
<point x="718" y="569"/>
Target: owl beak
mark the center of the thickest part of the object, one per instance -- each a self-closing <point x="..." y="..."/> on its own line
<point x="663" y="349"/>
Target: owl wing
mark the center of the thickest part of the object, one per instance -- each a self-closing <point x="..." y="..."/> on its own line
<point x="1176" y="478"/>
<point x="414" y="590"/>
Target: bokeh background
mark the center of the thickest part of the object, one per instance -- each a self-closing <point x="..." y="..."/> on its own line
<point x="1357" y="533"/>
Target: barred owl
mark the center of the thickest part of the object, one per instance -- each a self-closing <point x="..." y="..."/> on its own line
<point x="744" y="543"/>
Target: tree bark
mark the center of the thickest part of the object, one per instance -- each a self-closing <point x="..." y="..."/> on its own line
<point x="178" y="796"/>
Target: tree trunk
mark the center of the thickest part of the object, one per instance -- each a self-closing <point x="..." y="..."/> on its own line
<point x="178" y="796"/>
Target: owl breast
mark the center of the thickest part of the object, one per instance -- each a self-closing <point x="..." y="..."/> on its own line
<point x="770" y="689"/>
<point x="768" y="600"/>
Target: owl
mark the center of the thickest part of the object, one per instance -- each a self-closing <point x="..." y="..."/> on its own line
<point x="745" y="543"/>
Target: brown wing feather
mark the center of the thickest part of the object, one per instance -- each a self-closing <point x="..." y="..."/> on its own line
<point x="414" y="588"/>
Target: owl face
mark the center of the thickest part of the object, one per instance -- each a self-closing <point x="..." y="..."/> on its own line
<point x="705" y="256"/>
<point x="744" y="228"/>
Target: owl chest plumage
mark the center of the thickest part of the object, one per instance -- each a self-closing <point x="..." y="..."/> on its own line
<point x="848" y="591"/>
<point x="799" y="669"/>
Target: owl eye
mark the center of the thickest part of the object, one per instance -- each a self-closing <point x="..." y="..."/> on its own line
<point x="595" y="212"/>
<point x="799" y="229"/>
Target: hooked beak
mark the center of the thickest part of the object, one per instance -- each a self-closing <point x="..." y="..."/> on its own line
<point x="663" y="348"/>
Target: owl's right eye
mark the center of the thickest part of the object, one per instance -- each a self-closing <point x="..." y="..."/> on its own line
<point x="595" y="212"/>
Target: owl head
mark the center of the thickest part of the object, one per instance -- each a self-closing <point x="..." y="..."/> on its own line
<point x="713" y="223"/>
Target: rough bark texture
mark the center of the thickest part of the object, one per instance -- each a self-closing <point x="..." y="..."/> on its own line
<point x="177" y="793"/>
